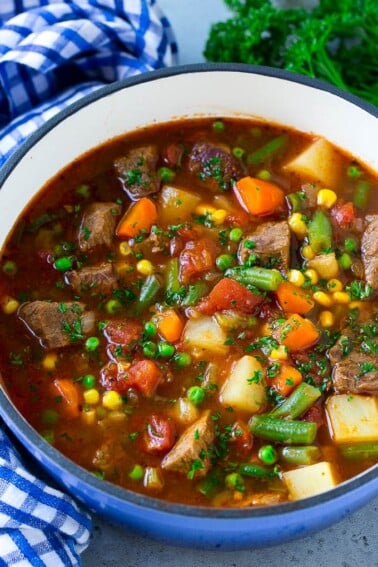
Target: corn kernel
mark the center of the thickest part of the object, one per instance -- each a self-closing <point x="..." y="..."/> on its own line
<point x="312" y="275"/>
<point x="326" y="319"/>
<point x="356" y="305"/>
<point x="307" y="252"/>
<point x="341" y="297"/>
<point x="145" y="267"/>
<point x="91" y="397"/>
<point x="205" y="210"/>
<point x="9" y="305"/>
<point x="296" y="277"/>
<point x="219" y="216"/>
<point x="89" y="417"/>
<point x="122" y="268"/>
<point x="124" y="248"/>
<point x="323" y="298"/>
<point x="334" y="285"/>
<point x="50" y="360"/>
<point x="279" y="353"/>
<point x="111" y="400"/>
<point x="326" y="198"/>
<point x="297" y="225"/>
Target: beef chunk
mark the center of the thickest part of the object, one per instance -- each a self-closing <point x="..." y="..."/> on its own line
<point x="357" y="373"/>
<point x="94" y="279"/>
<point x="57" y="324"/>
<point x="98" y="225"/>
<point x="310" y="191"/>
<point x="137" y="172"/>
<point x="270" y="242"/>
<point x="190" y="453"/>
<point x="214" y="165"/>
<point x="369" y="248"/>
<point x="354" y="371"/>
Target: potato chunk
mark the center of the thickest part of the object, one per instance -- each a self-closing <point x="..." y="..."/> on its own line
<point x="352" y="418"/>
<point x="204" y="334"/>
<point x="244" y="389"/>
<point x="176" y="205"/>
<point x="310" y="480"/>
<point x="319" y="162"/>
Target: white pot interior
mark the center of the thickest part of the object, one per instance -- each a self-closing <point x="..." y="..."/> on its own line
<point x="195" y="93"/>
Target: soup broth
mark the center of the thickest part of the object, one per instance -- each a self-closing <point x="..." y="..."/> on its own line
<point x="190" y="312"/>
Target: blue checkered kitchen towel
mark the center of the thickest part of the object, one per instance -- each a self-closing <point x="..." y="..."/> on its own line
<point x="53" y="52"/>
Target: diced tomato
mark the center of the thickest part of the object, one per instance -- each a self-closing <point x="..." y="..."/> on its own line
<point x="237" y="218"/>
<point x="343" y="213"/>
<point x="159" y="435"/>
<point x="126" y="333"/>
<point x="229" y="294"/>
<point x="143" y="375"/>
<point x="197" y="257"/>
<point x="241" y="438"/>
<point x="172" y="154"/>
<point x="315" y="414"/>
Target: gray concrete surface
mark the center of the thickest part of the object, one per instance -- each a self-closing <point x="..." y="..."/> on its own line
<point x="351" y="543"/>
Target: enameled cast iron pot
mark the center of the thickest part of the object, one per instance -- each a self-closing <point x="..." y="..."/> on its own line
<point x="197" y="90"/>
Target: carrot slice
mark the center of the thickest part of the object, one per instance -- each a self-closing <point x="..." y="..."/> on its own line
<point x="145" y="376"/>
<point x="293" y="299"/>
<point x="297" y="333"/>
<point x="286" y="380"/>
<point x="169" y="325"/>
<point x="139" y="217"/>
<point x="258" y="197"/>
<point x="69" y="397"/>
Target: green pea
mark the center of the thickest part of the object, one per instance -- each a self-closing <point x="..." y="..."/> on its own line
<point x="64" y="263"/>
<point x="196" y="395"/>
<point x="88" y="381"/>
<point x="350" y="244"/>
<point x="224" y="261"/>
<point x="9" y="268"/>
<point x="218" y="126"/>
<point x="268" y="454"/>
<point x="137" y="472"/>
<point x="235" y="481"/>
<point x="49" y="417"/>
<point x="150" y="329"/>
<point x="236" y="234"/>
<point x="264" y="174"/>
<point x="166" y="174"/>
<point x="238" y="152"/>
<point x="113" y="306"/>
<point x="92" y="343"/>
<point x="345" y="261"/>
<point x="166" y="350"/>
<point x="149" y="349"/>
<point x="183" y="359"/>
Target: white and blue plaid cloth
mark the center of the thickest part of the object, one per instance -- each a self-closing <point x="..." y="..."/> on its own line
<point x="53" y="52"/>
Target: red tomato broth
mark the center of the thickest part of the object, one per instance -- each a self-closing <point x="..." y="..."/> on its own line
<point x="110" y="441"/>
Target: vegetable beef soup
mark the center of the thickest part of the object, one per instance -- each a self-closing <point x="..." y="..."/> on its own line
<point x="190" y="312"/>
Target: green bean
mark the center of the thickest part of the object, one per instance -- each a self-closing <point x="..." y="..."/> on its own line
<point x="148" y="292"/>
<point x="172" y="282"/>
<point x="295" y="202"/>
<point x="210" y="483"/>
<point x="360" y="451"/>
<point x="257" y="471"/>
<point x="262" y="278"/>
<point x="361" y="194"/>
<point x="320" y="232"/>
<point x="267" y="150"/>
<point x="194" y="294"/>
<point x="300" y="455"/>
<point x="299" y="401"/>
<point x="282" y="430"/>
